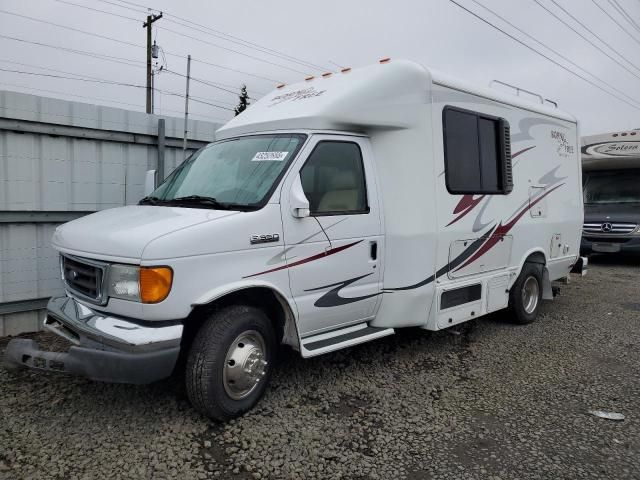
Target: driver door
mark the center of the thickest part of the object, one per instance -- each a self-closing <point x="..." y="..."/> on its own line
<point x="334" y="254"/>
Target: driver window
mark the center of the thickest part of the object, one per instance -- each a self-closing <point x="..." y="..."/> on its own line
<point x="333" y="179"/>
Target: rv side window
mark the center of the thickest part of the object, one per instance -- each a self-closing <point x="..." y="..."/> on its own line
<point x="333" y="179"/>
<point x="477" y="152"/>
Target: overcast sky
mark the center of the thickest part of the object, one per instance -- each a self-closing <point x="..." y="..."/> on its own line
<point x="353" y="33"/>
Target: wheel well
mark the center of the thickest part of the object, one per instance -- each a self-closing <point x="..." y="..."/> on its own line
<point x="536" y="257"/>
<point x="263" y="298"/>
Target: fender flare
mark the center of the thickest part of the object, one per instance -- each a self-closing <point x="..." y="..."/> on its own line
<point x="541" y="257"/>
<point x="291" y="333"/>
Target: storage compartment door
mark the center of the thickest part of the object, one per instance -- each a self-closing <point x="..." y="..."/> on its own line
<point x="495" y="258"/>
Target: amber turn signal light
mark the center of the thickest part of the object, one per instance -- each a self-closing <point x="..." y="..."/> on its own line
<point x="155" y="284"/>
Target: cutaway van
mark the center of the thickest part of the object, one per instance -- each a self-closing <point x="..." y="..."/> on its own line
<point x="330" y="213"/>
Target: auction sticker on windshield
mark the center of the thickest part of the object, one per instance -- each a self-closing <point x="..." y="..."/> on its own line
<point x="269" y="156"/>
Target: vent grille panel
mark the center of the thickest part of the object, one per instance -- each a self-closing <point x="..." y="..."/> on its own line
<point x="83" y="278"/>
<point x="613" y="228"/>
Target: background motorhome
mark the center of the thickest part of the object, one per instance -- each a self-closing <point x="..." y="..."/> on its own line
<point x="611" y="179"/>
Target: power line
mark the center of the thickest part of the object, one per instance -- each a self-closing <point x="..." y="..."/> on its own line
<point x="97" y="10"/>
<point x="58" y="92"/>
<point x="616" y="22"/>
<point x="181" y="95"/>
<point x="48" y="69"/>
<point x="145" y="11"/>
<point x="586" y="39"/>
<point x="137" y="46"/>
<point x="204" y="62"/>
<point x="244" y="43"/>
<point x="204" y="82"/>
<point x="90" y="80"/>
<point x="555" y="51"/>
<point x="218" y="85"/>
<point x="541" y="54"/>
<point x="224" y="36"/>
<point x="109" y="82"/>
<point x="108" y="58"/>
<point x="237" y="52"/>
<point x="206" y="99"/>
<point x="77" y="30"/>
<point x="70" y="94"/>
<point x="624" y="14"/>
<point x="124" y="61"/>
<point x="123" y="42"/>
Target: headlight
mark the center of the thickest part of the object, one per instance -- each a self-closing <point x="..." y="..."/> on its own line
<point x="139" y="284"/>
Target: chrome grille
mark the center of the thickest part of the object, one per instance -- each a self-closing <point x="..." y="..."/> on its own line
<point x="82" y="277"/>
<point x="609" y="227"/>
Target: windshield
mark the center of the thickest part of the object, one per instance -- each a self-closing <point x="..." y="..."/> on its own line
<point x="622" y="186"/>
<point x="241" y="172"/>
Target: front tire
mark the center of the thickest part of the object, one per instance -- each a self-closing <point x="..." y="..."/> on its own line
<point x="526" y="294"/>
<point x="230" y="362"/>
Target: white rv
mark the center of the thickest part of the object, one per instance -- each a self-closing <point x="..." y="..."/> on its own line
<point x="611" y="179"/>
<point x="330" y="213"/>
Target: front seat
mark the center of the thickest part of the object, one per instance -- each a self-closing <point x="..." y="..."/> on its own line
<point x="342" y="194"/>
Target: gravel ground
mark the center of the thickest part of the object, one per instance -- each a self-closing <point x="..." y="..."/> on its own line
<point x="488" y="401"/>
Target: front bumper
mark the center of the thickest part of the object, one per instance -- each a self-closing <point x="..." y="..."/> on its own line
<point x="104" y="348"/>
<point x="625" y="245"/>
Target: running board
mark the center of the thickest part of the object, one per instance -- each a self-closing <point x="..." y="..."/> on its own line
<point x="342" y="338"/>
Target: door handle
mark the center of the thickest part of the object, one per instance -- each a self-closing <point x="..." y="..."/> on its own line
<point x="373" y="250"/>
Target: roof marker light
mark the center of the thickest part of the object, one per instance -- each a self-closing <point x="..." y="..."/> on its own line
<point x="632" y="133"/>
<point x="385" y="60"/>
<point x="346" y="70"/>
<point x="327" y="75"/>
<point x="309" y="78"/>
<point x="281" y="85"/>
<point x="615" y="135"/>
<point x="624" y="134"/>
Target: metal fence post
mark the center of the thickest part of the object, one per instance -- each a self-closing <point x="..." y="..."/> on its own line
<point x="161" y="150"/>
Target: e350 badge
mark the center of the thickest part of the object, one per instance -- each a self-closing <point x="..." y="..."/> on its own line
<point x="266" y="238"/>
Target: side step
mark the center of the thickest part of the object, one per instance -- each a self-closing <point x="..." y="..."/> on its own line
<point x="342" y="338"/>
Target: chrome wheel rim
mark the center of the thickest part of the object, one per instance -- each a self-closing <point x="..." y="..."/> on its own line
<point x="244" y="364"/>
<point x="530" y="294"/>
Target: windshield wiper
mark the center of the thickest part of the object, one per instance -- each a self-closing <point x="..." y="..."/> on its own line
<point x="149" y="200"/>
<point x="206" y="202"/>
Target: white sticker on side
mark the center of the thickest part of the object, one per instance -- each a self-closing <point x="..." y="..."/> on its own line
<point x="269" y="156"/>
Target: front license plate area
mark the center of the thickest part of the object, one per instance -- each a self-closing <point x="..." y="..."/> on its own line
<point x="606" y="247"/>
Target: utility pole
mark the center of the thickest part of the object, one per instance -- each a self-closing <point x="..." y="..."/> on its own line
<point x="147" y="25"/>
<point x="186" y="109"/>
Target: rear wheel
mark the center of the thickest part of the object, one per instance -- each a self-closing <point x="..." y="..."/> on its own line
<point x="526" y="294"/>
<point x="230" y="362"/>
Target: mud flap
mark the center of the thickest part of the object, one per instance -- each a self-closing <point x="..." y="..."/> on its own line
<point x="580" y="267"/>
<point x="547" y="290"/>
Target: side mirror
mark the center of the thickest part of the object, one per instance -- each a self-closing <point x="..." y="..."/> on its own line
<point x="149" y="182"/>
<point x="298" y="201"/>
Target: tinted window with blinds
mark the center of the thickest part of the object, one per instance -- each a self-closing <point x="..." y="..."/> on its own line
<point x="477" y="153"/>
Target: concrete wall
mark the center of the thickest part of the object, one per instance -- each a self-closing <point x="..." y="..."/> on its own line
<point x="60" y="160"/>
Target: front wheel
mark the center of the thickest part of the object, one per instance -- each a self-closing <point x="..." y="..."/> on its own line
<point x="526" y="294"/>
<point x="230" y="362"/>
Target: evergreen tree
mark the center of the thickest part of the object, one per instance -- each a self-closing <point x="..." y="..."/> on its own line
<point x="243" y="102"/>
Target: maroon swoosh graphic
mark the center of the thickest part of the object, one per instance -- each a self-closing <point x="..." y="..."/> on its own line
<point x="326" y="253"/>
<point x="465" y="205"/>
<point x="502" y="230"/>
<point x="468" y="203"/>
